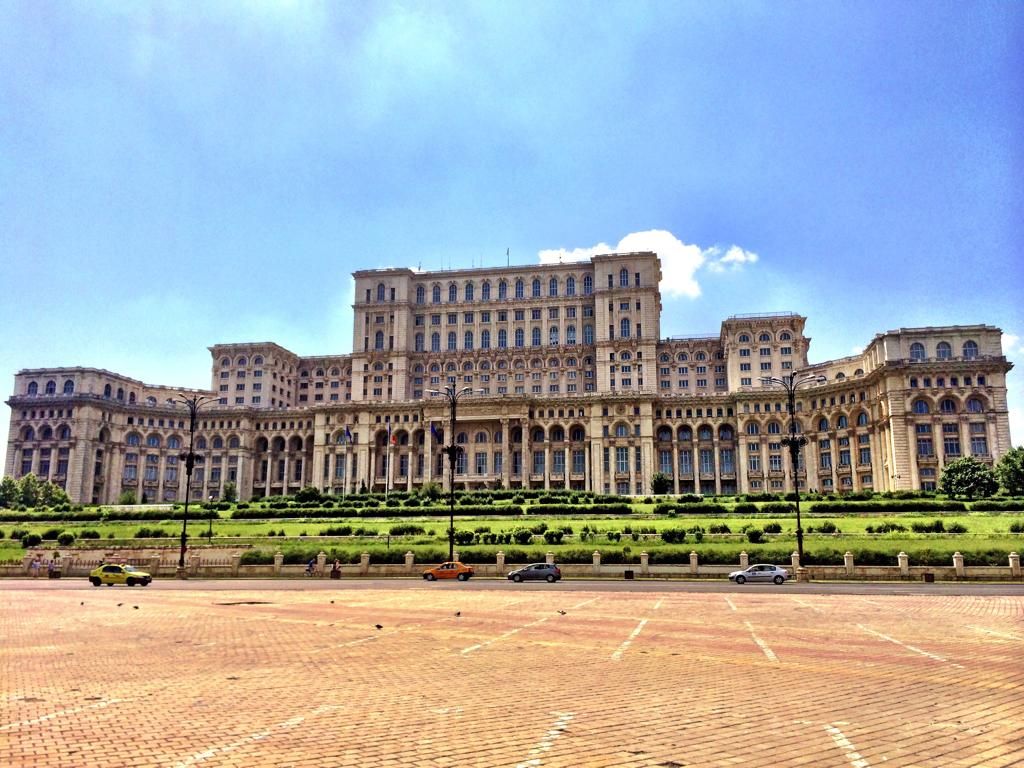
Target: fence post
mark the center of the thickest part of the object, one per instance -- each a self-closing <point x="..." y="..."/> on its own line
<point x="693" y="563"/>
<point x="549" y="558"/>
<point x="795" y="560"/>
<point x="236" y="563"/>
<point x="500" y="563"/>
<point x="904" y="562"/>
<point x="958" y="564"/>
<point x="410" y="561"/>
<point x="364" y="564"/>
<point x="645" y="568"/>
<point x="278" y="562"/>
<point x="193" y="565"/>
<point x="744" y="560"/>
<point x="1014" y="564"/>
<point x="848" y="563"/>
<point x="597" y="562"/>
<point x="321" y="563"/>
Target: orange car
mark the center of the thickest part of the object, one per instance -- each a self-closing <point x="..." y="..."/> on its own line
<point x="450" y="570"/>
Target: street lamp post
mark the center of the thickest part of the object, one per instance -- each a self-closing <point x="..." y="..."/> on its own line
<point x="193" y="403"/>
<point x="794" y="441"/>
<point x="452" y="450"/>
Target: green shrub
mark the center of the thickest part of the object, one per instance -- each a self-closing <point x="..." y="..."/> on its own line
<point x="50" y="534"/>
<point x="66" y="539"/>
<point x="673" y="535"/>
<point x="826" y="527"/>
<point x="935" y="526"/>
<point x="1015" y="527"/>
<point x="338" y="530"/>
<point x="720" y="528"/>
<point x="755" y="535"/>
<point x="915" y="505"/>
<point x="1013" y="505"/>
<point x="886" y="527"/>
<point x="745" y="509"/>
<point x="31" y="540"/>
<point x="956" y="528"/>
<point x="406" y="530"/>
<point x="464" y="538"/>
<point x="772" y="528"/>
<point x="614" y="535"/>
<point x="553" y="537"/>
<point x="522" y="535"/>
<point x="780" y="508"/>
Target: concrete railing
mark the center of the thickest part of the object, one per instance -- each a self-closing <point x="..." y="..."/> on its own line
<point x="228" y="565"/>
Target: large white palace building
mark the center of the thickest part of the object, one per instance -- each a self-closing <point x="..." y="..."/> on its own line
<point x="574" y="387"/>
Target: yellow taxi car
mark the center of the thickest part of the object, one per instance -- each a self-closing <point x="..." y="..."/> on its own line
<point x="119" y="574"/>
<point x="450" y="570"/>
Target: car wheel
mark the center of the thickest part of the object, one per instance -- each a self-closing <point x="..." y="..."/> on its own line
<point x="146" y="583"/>
<point x="130" y="582"/>
<point x="778" y="579"/>
<point x="94" y="580"/>
<point x="551" y="578"/>
<point x="463" y="577"/>
<point x="517" y="578"/>
<point x="429" y="576"/>
<point x="741" y="579"/>
<point x="110" y="583"/>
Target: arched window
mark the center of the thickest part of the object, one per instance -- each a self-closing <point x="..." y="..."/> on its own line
<point x="519" y="288"/>
<point x="485" y="339"/>
<point x="943" y="350"/>
<point x="553" y="336"/>
<point x="744" y="339"/>
<point x="234" y="442"/>
<point x="133" y="439"/>
<point x="725" y="432"/>
<point x="785" y="336"/>
<point x="970" y="350"/>
<point x="535" y="337"/>
<point x="502" y="339"/>
<point x="520" y="337"/>
<point x="380" y="291"/>
<point x="485" y="291"/>
<point x="862" y="419"/>
<point x="470" y="292"/>
<point x="257" y="360"/>
<point x="64" y="433"/>
<point x="588" y="285"/>
<point x="69" y="387"/>
<point x="419" y="342"/>
<point x="481" y="437"/>
<point x="557" y="434"/>
<point x="33" y="388"/>
<point x="467" y="342"/>
<point x="588" y="334"/>
<point x="947" y="405"/>
<point x="570" y="334"/>
<point x="452" y="340"/>
<point x="624" y="328"/>
<point x="535" y="288"/>
<point x="682" y="357"/>
<point x="921" y="406"/>
<point x="51" y="387"/>
<point x="201" y="443"/>
<point x="106" y="390"/>
<point x="774" y="428"/>
<point x="153" y="441"/>
<point x="421" y="294"/>
<point x="823" y="425"/>
<point x="974" y="405"/>
<point x="704" y="433"/>
<point x="453" y="293"/>
<point x="435" y="295"/>
<point x="764" y="338"/>
<point x="218" y="443"/>
<point x="576" y="434"/>
<point x="537" y="436"/>
<point x="173" y="443"/>
<point x="378" y="340"/>
<point x="553" y="286"/>
<point x="664" y="435"/>
<point x="502" y="290"/>
<point x="570" y="286"/>
<point x="621" y="430"/>
<point x="842" y="422"/>
<point x="753" y="428"/>
<point x="435" y="342"/>
<point x="131" y="398"/>
<point x="623" y="278"/>
<point x="120" y="394"/>
<point x="917" y="351"/>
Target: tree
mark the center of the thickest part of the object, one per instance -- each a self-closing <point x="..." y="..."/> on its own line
<point x="52" y="495"/>
<point x="9" y="493"/>
<point x="1010" y="471"/>
<point x="126" y="497"/>
<point x="230" y="492"/>
<point x="968" y="477"/>
<point x="430" y="491"/>
<point x="660" y="483"/>
<point x="30" y="489"/>
<point x="307" y="494"/>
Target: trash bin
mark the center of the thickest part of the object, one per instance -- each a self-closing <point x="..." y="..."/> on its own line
<point x="628" y="574"/>
<point x="929" y="578"/>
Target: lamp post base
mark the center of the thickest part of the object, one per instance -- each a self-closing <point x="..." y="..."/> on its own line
<point x="180" y="573"/>
<point x="802" y="575"/>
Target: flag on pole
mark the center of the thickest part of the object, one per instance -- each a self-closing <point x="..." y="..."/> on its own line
<point x="348" y="434"/>
<point x="436" y="433"/>
<point x="393" y="438"/>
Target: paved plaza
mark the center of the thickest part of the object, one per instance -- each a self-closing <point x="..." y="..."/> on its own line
<point x="514" y="675"/>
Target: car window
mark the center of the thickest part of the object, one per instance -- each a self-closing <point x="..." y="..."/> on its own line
<point x="111" y="569"/>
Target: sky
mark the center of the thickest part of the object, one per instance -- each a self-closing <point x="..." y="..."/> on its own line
<point x="179" y="174"/>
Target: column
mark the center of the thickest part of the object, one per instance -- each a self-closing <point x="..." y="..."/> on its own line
<point x="587" y="484"/>
<point x="675" y="463"/>
<point x="506" y="456"/>
<point x="695" y="458"/>
<point x="287" y="479"/>
<point x="567" y="462"/>
<point x="270" y="471"/>
<point x="631" y="465"/>
<point x="717" y="459"/>
<point x="411" y="470"/>
<point x="547" y="465"/>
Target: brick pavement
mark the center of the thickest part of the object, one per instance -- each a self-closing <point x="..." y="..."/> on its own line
<point x="630" y="680"/>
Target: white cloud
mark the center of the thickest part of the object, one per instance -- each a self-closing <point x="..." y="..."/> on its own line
<point x="1012" y="344"/>
<point x="680" y="261"/>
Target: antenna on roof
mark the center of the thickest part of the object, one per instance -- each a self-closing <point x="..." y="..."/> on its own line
<point x="506" y="257"/>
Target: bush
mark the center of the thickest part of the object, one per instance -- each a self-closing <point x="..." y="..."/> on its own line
<point x="18" y="534"/>
<point x="935" y="526"/>
<point x="151" y="533"/>
<point x="1015" y="527"/>
<point x="66" y="539"/>
<point x="31" y="540"/>
<point x="339" y="530"/>
<point x="50" y="534"/>
<point x="826" y="527"/>
<point x="614" y="535"/>
<point x="772" y="528"/>
<point x="755" y="535"/>
<point x="673" y="535"/>
<point x="721" y="528"/>
<point x="780" y="508"/>
<point x="745" y="509"/>
<point x="998" y="506"/>
<point x="522" y="535"/>
<point x="464" y="538"/>
<point x="886" y="527"/>
<point x="406" y="530"/>
<point x="917" y="505"/>
<point x="956" y="528"/>
<point x="553" y="537"/>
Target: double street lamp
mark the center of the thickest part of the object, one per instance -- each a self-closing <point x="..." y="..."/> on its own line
<point x="193" y="403"/>
<point x="452" y="450"/>
<point x="793" y="440"/>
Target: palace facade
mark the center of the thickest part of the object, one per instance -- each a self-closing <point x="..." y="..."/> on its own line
<point x="573" y="386"/>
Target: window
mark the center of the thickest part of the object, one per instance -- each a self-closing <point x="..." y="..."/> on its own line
<point x="452" y="341"/>
<point x="469" y="292"/>
<point x="535" y="288"/>
<point x="624" y="328"/>
<point x="553" y="286"/>
<point x="917" y="351"/>
<point x="502" y="290"/>
<point x="502" y="339"/>
<point x="421" y="294"/>
<point x="436" y="295"/>
<point x="553" y="336"/>
<point x="970" y="350"/>
<point x="624" y="278"/>
<point x="485" y="339"/>
<point x="453" y="293"/>
<point x="520" y="337"/>
<point x="570" y="286"/>
<point x="588" y="285"/>
<point x="974" y="405"/>
<point x="943" y="351"/>
<point x="485" y="291"/>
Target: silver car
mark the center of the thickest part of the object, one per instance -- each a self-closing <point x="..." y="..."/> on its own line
<point x="760" y="572"/>
<point x="537" y="571"/>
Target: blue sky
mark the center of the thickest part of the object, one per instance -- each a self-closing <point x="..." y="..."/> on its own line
<point x="178" y="174"/>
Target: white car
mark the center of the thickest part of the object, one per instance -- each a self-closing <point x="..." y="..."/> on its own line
<point x="760" y="572"/>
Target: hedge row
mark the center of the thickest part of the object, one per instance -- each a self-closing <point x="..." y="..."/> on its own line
<point x="101" y="513"/>
<point x="691" y="508"/>
<point x="842" y="507"/>
<point x="1014" y="505"/>
<point x="279" y="514"/>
